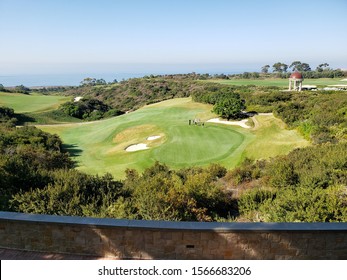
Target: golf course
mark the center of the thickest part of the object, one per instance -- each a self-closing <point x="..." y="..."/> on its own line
<point x="164" y="133"/>
<point x="27" y="103"/>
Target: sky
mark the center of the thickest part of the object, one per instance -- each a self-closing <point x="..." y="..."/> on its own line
<point x="168" y="36"/>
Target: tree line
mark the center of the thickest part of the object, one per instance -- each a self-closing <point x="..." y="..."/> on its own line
<point x="280" y="69"/>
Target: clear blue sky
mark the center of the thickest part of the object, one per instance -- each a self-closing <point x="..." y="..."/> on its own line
<point x="71" y="36"/>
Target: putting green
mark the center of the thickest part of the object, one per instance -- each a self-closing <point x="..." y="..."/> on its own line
<point x="196" y="145"/>
<point x="99" y="147"/>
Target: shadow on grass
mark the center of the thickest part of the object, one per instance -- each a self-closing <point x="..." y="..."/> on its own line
<point x="24" y="119"/>
<point x="72" y="149"/>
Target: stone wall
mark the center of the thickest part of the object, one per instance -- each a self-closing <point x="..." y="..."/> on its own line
<point x="172" y="240"/>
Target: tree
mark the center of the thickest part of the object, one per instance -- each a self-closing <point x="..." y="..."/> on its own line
<point x="305" y="67"/>
<point x="277" y="67"/>
<point x="321" y="67"/>
<point x="88" y="82"/>
<point x="284" y="67"/>
<point x="265" y="69"/>
<point x="246" y="75"/>
<point x="87" y="109"/>
<point x="280" y="67"/>
<point x="100" y="82"/>
<point x="255" y="75"/>
<point x="299" y="66"/>
<point x="22" y="89"/>
<point x="295" y="66"/>
<point x="229" y="106"/>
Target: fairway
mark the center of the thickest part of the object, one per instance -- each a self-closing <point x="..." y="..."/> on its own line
<point x="24" y="103"/>
<point x="99" y="147"/>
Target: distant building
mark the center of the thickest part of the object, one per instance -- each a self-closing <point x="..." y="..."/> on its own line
<point x="295" y="81"/>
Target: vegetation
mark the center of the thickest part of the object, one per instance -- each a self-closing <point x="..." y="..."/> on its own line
<point x="227" y="103"/>
<point x="100" y="147"/>
<point x="134" y="93"/>
<point x="320" y="117"/>
<point x="88" y="109"/>
<point x="27" y="155"/>
<point x="308" y="184"/>
<point x="157" y="194"/>
<point x="276" y="175"/>
<point x="281" y="83"/>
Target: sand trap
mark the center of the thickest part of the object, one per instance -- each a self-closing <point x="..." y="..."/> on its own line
<point x="141" y="146"/>
<point x="241" y="123"/>
<point x="78" y="98"/>
<point x="136" y="147"/>
<point x="265" y="114"/>
<point x="150" y="138"/>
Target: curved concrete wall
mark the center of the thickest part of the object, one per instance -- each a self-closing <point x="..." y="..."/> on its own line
<point x="172" y="240"/>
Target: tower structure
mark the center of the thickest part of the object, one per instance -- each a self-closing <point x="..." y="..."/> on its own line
<point x="295" y="81"/>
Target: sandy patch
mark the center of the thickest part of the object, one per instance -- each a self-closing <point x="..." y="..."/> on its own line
<point x="241" y="123"/>
<point x="78" y="98"/>
<point x="136" y="147"/>
<point x="151" y="138"/>
<point x="265" y="114"/>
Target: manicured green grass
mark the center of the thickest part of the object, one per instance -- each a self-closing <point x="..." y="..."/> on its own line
<point x="46" y="117"/>
<point x="278" y="82"/>
<point x="24" y="103"/>
<point x="99" y="147"/>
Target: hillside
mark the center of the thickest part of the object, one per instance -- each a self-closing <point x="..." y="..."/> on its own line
<point x="102" y="144"/>
<point x="288" y="166"/>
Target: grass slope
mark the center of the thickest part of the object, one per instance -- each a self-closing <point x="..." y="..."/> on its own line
<point x="24" y="103"/>
<point x="99" y="146"/>
<point x="272" y="138"/>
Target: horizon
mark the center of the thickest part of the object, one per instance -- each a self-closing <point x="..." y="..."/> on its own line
<point x="165" y="37"/>
<point x="75" y="79"/>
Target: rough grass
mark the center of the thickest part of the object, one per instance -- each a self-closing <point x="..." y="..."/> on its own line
<point x="98" y="147"/>
<point x="272" y="138"/>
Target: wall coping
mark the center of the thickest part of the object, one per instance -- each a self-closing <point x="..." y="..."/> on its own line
<point x="166" y="225"/>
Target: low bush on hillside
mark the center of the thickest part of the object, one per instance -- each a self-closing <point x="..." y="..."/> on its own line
<point x="88" y="109"/>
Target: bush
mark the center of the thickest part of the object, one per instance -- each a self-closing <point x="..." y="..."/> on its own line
<point x="251" y="200"/>
<point x="86" y="109"/>
<point x="307" y="204"/>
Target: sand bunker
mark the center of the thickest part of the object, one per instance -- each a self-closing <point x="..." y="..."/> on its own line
<point x="241" y="123"/>
<point x="150" y="138"/>
<point x="136" y="147"/>
<point x="78" y="98"/>
<point x="141" y="146"/>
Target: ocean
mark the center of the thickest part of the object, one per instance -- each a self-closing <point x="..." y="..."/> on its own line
<point x="62" y="79"/>
<point x="75" y="79"/>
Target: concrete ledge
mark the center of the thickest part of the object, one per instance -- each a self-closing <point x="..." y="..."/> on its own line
<point x="162" y="225"/>
<point x="131" y="239"/>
